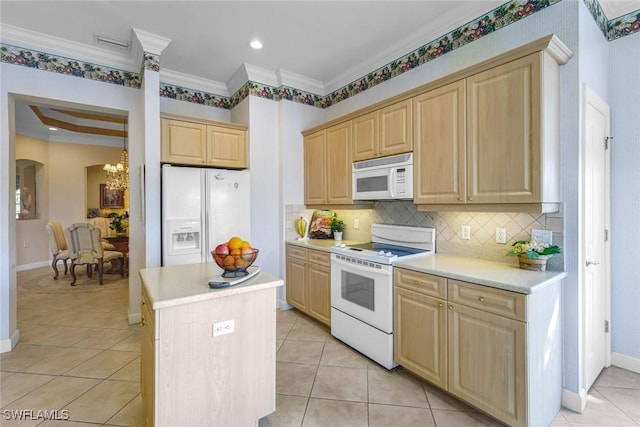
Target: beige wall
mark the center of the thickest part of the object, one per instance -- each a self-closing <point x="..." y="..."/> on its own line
<point x="62" y="193"/>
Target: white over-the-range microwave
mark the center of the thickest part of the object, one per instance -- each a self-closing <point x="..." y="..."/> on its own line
<point x="385" y="178"/>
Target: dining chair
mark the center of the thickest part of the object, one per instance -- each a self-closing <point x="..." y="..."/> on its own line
<point x="85" y="248"/>
<point x="57" y="246"/>
<point x="103" y="225"/>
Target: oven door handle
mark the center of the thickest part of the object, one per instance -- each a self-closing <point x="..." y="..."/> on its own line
<point x="386" y="272"/>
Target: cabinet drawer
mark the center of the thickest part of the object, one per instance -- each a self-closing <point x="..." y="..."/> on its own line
<point x="423" y="283"/>
<point x="296" y="252"/>
<point x="319" y="257"/>
<point x="497" y="301"/>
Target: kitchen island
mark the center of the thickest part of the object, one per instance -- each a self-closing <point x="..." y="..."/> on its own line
<point x="207" y="355"/>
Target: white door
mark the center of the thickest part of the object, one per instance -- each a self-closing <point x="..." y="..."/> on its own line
<point x="182" y="212"/>
<point x="228" y="207"/>
<point x="595" y="232"/>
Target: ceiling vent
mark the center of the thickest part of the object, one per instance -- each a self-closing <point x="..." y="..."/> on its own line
<point x="112" y="42"/>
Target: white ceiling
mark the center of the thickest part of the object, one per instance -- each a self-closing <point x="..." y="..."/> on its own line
<point x="331" y="42"/>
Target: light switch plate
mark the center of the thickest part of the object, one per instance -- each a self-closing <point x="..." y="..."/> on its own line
<point x="465" y="232"/>
<point x="542" y="236"/>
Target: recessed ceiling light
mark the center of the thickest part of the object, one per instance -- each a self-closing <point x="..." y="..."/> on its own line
<point x="256" y="44"/>
<point x="53" y="128"/>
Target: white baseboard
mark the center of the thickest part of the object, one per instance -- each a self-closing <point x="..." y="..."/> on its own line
<point x="626" y="362"/>
<point x="8" y="344"/>
<point x="283" y="305"/>
<point x="25" y="267"/>
<point x="135" y="318"/>
<point x="574" y="401"/>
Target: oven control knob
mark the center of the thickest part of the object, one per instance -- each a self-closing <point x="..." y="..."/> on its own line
<point x="381" y="253"/>
<point x="389" y="254"/>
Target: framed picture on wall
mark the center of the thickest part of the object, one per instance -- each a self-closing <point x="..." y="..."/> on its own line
<point x="111" y="198"/>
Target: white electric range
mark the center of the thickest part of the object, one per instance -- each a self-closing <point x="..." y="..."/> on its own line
<point x="362" y="287"/>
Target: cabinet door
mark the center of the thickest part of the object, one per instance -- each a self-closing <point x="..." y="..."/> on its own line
<point x="440" y="145"/>
<point x="366" y="136"/>
<point x="296" y="283"/>
<point x="420" y="337"/>
<point x="183" y="142"/>
<point x="315" y="168"/>
<point x="226" y="147"/>
<point x="319" y="285"/>
<point x="486" y="358"/>
<point x="339" y="175"/>
<point x="503" y="133"/>
<point x="396" y="132"/>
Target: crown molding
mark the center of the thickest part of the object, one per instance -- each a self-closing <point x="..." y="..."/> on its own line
<point x="151" y="43"/>
<point x="24" y="38"/>
<point x="237" y="80"/>
<point x="298" y="81"/>
<point x="261" y="75"/>
<point x="251" y="73"/>
<point x="177" y="78"/>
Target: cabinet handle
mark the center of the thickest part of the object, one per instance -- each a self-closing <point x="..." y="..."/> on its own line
<point x="141" y="303"/>
<point x="450" y="307"/>
<point x="143" y="321"/>
<point x="471" y="199"/>
<point x="481" y="299"/>
<point x="459" y="199"/>
<point x="415" y="283"/>
<point x="440" y="305"/>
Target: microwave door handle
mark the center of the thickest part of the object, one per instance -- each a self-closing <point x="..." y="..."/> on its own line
<point x="393" y="177"/>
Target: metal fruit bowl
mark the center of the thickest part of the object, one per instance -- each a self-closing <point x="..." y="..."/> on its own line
<point x="235" y="265"/>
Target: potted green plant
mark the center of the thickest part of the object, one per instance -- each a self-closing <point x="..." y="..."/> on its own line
<point x="337" y="227"/>
<point x="533" y="255"/>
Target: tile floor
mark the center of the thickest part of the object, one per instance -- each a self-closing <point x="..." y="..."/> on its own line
<point x="78" y="354"/>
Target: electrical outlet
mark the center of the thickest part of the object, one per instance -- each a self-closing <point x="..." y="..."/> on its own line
<point x="465" y="232"/>
<point x="356" y="224"/>
<point x="222" y="328"/>
<point x="501" y="235"/>
<point x="26" y="245"/>
<point x="542" y="236"/>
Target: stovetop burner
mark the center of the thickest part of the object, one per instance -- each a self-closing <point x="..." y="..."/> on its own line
<point x="384" y="249"/>
<point x="408" y="241"/>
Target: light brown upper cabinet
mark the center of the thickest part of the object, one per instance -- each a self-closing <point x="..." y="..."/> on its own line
<point x="204" y="144"/>
<point x="383" y="132"/>
<point x="327" y="166"/>
<point x="490" y="139"/>
<point x="440" y="150"/>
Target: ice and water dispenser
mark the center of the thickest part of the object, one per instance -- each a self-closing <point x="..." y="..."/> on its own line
<point x="184" y="236"/>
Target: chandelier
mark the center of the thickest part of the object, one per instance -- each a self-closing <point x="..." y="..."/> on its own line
<point x="118" y="174"/>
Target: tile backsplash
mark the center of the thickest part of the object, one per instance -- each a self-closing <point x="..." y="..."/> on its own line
<point x="447" y="224"/>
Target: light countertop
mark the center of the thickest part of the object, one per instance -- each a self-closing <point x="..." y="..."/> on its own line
<point x="321" y="244"/>
<point x="184" y="284"/>
<point x="489" y="273"/>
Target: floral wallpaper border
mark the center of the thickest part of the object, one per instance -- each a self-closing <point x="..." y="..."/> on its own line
<point x="72" y="67"/>
<point x="614" y="28"/>
<point x="151" y="61"/>
<point x="498" y="18"/>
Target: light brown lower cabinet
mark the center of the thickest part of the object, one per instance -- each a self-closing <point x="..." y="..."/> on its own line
<point x="309" y="282"/>
<point x="497" y="350"/>
<point x="189" y="378"/>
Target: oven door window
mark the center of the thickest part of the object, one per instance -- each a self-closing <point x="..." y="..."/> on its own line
<point x="359" y="290"/>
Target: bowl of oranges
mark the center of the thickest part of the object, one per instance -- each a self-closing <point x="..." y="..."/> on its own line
<point x="234" y="256"/>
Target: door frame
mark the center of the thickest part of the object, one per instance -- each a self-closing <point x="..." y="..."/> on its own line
<point x="590" y="97"/>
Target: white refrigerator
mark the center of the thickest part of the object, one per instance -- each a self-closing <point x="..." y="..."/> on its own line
<point x="202" y="208"/>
